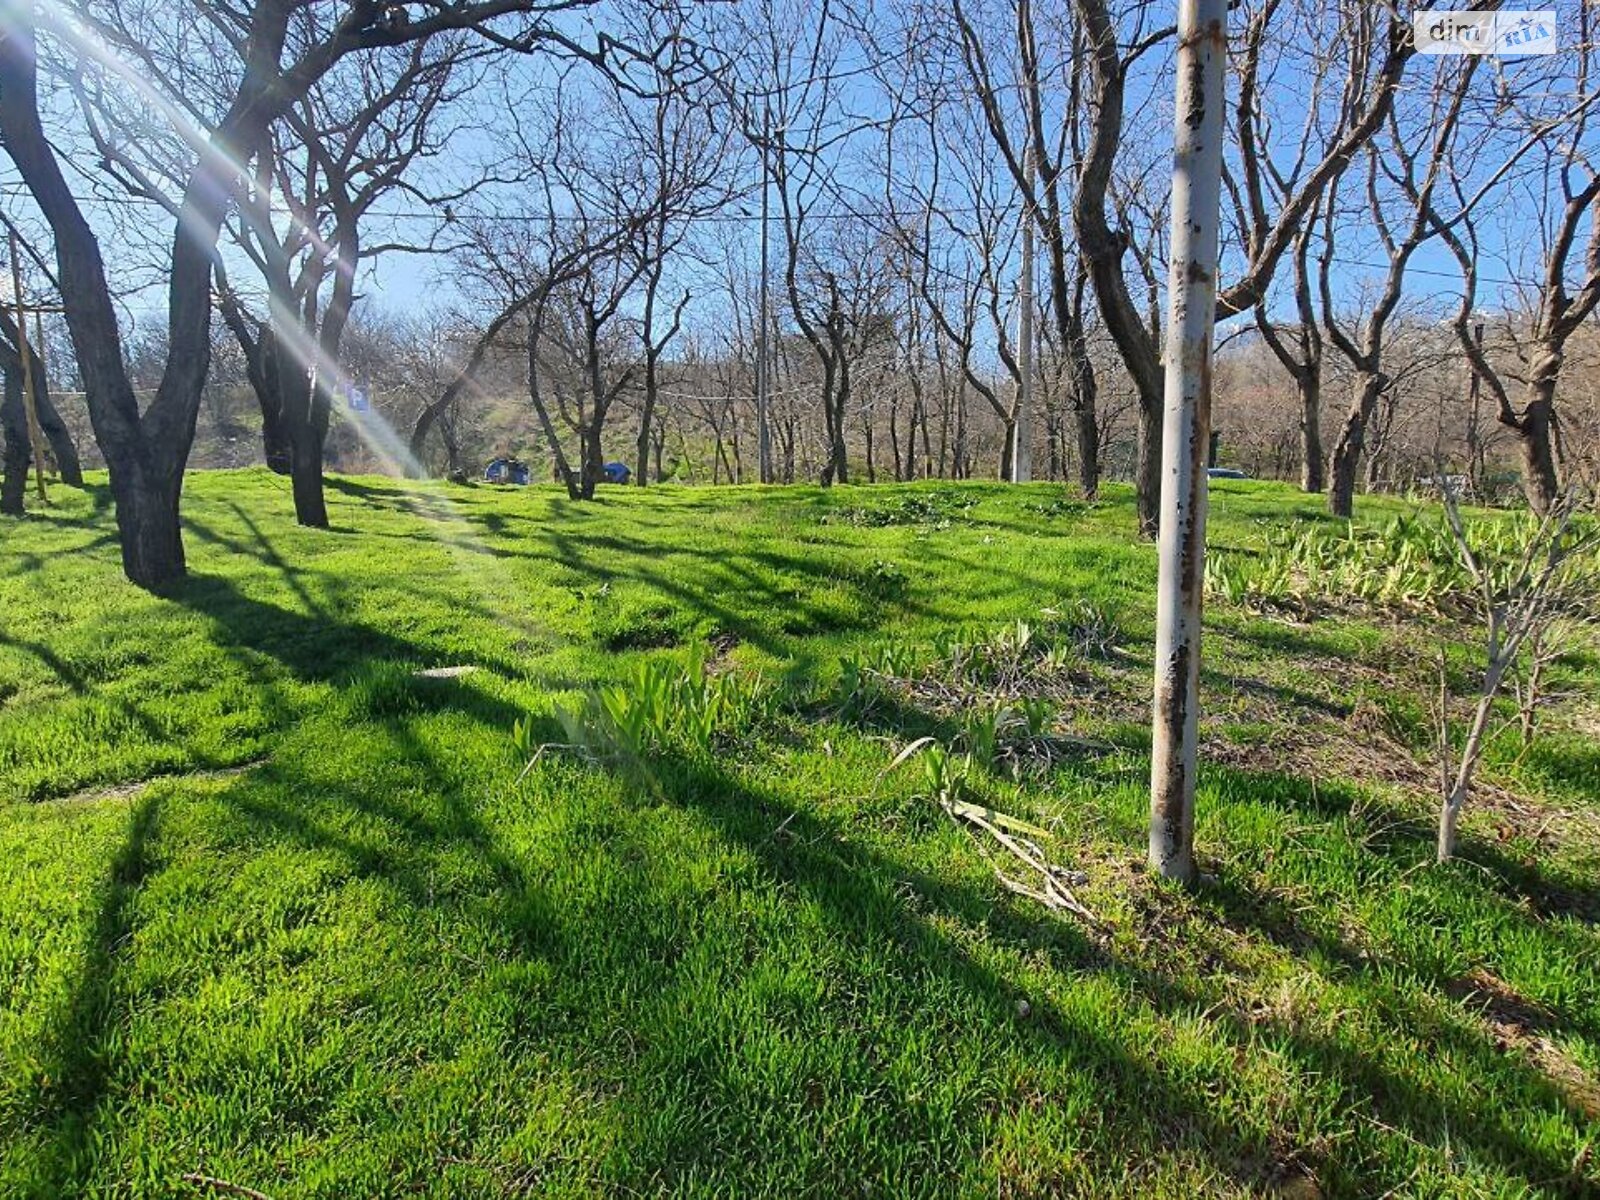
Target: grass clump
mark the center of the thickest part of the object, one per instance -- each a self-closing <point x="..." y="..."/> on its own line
<point x="1407" y="563"/>
<point x="667" y="705"/>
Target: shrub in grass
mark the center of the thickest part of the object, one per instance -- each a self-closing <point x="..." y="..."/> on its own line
<point x="667" y="705"/>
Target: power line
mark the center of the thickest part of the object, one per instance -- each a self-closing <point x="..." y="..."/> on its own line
<point x="885" y="216"/>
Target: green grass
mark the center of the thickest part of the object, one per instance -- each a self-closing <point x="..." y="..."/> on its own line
<point x="276" y="910"/>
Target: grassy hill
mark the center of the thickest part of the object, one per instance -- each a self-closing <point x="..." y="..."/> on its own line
<point x="281" y="909"/>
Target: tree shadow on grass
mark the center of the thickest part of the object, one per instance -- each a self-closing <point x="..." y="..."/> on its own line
<point x="1293" y="640"/>
<point x="73" y="1101"/>
<point x="315" y="645"/>
<point x="1389" y="1086"/>
<point x="84" y="688"/>
<point x="1219" y="681"/>
<point x="71" y="1097"/>
<point x="262" y="550"/>
<point x="893" y="920"/>
<point x="863" y="895"/>
<point x="1407" y="842"/>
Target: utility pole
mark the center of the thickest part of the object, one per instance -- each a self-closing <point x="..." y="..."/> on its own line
<point x="1022" y="427"/>
<point x="36" y="441"/>
<point x="763" y="384"/>
<point x="1191" y="315"/>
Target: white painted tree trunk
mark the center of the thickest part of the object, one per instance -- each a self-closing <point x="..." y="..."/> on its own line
<point x="1192" y="290"/>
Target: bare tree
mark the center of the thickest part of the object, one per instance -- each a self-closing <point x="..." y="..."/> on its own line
<point x="681" y="163"/>
<point x="1518" y="598"/>
<point x="1298" y="347"/>
<point x="353" y="140"/>
<point x="1040" y="162"/>
<point x="795" y="54"/>
<point x="955" y="224"/>
<point x="146" y="450"/>
<point x="1414" y="171"/>
<point x="1565" y="294"/>
<point x="1377" y="56"/>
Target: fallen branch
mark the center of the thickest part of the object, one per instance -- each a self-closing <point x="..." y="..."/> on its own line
<point x="208" y="1183"/>
<point x="582" y="751"/>
<point x="1053" y="890"/>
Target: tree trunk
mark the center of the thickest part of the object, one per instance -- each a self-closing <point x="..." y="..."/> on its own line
<point x="1346" y="456"/>
<point x="301" y="420"/>
<point x="1088" y="429"/>
<point x="832" y="415"/>
<point x="1085" y="387"/>
<point x="1008" y="445"/>
<point x="1309" y="384"/>
<point x="56" y="433"/>
<point x="900" y="474"/>
<point x="1147" y="470"/>
<point x="593" y="466"/>
<point x="452" y="446"/>
<point x="1449" y="821"/>
<point x="1456" y="798"/>
<point x="13" y="419"/>
<point x="839" y="453"/>
<point x="642" y="476"/>
<point x="305" y="474"/>
<point x="146" y="498"/>
<point x="1535" y="440"/>
<point x="276" y="445"/>
<point x="268" y="379"/>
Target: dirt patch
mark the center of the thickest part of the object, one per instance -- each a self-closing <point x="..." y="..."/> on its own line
<point x="1522" y="1026"/>
<point x="126" y="791"/>
<point x="721" y="644"/>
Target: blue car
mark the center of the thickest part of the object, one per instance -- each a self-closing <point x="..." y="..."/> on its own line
<point x="617" y="472"/>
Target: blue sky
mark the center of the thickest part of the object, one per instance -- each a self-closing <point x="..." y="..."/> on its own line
<point x="400" y="283"/>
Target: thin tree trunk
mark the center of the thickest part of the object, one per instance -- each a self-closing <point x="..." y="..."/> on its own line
<point x="13" y="491"/>
<point x="594" y="465"/>
<point x="1309" y="385"/>
<point x="894" y="440"/>
<point x="646" y="416"/>
<point x="1085" y="402"/>
<point x="1456" y="799"/>
<point x="1346" y="457"/>
<point x="268" y="378"/>
<point x="1147" y="469"/>
<point x="452" y="445"/>
<point x="56" y="436"/>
